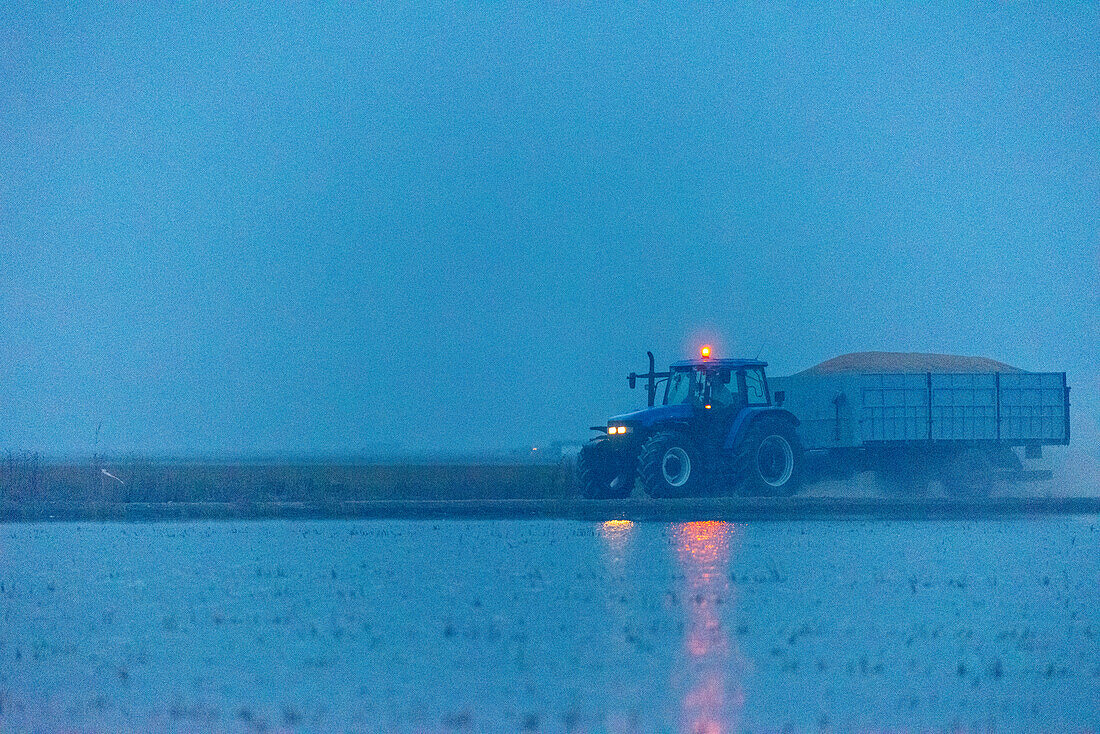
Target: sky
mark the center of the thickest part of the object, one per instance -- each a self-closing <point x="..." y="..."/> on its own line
<point x="334" y="229"/>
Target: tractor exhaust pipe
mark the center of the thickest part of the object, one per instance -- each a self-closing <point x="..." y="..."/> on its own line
<point x="651" y="377"/>
<point x="651" y="386"/>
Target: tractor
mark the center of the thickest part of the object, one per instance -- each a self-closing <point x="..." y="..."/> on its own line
<point x="717" y="431"/>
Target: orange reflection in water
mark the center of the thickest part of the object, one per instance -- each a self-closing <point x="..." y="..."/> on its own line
<point x="713" y="697"/>
<point x="616" y="535"/>
<point x="614" y="528"/>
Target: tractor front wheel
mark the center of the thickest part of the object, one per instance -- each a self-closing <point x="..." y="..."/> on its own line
<point x="670" y="465"/>
<point x="599" y="474"/>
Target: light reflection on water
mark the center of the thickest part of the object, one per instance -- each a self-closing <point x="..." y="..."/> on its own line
<point x="708" y="677"/>
<point x="713" y="697"/>
<point x="616" y="535"/>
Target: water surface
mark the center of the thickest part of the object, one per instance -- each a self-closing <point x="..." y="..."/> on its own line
<point x="551" y="626"/>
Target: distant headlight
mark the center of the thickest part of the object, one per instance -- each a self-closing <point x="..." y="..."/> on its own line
<point x="613" y="430"/>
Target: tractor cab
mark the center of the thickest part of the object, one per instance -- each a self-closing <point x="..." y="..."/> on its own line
<point x="717" y="384"/>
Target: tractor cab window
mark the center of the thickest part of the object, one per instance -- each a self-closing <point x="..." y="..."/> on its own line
<point x="681" y="387"/>
<point x="698" y="386"/>
<point x="754" y="387"/>
<point x="723" y="389"/>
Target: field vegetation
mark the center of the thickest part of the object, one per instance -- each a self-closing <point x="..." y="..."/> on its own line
<point x="28" y="482"/>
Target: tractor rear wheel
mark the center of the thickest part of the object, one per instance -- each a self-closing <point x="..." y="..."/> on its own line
<point x="599" y="475"/>
<point x="670" y="465"/>
<point x="768" y="461"/>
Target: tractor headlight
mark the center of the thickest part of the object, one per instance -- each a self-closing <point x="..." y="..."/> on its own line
<point x="617" y="430"/>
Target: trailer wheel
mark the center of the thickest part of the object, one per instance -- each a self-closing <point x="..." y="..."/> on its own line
<point x="899" y="484"/>
<point x="599" y="475"/>
<point x="902" y="473"/>
<point x="768" y="461"/>
<point x="1005" y="457"/>
<point x="670" y="465"/>
<point x="968" y="473"/>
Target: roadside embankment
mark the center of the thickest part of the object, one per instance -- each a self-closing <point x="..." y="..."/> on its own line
<point x="142" y="490"/>
<point x="730" y="509"/>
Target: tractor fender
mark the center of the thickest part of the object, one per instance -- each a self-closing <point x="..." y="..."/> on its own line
<point x="747" y="416"/>
<point x="666" y="425"/>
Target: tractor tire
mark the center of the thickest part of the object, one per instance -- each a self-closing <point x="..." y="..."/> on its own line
<point x="670" y="465"/>
<point x="969" y="473"/>
<point x="768" y="461"/>
<point x="599" y="476"/>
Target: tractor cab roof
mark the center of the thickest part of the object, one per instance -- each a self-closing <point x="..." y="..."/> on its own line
<point x="717" y="363"/>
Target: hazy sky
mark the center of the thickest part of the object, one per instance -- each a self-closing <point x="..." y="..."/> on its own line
<point x="321" y="229"/>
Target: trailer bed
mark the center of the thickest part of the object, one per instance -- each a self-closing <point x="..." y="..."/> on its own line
<point x="853" y="408"/>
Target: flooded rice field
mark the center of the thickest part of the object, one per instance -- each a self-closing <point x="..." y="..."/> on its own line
<point x="551" y="626"/>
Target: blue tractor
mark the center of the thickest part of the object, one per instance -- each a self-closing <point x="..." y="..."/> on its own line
<point x="718" y="430"/>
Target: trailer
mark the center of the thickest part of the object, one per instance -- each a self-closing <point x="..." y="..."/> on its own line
<point x="915" y="418"/>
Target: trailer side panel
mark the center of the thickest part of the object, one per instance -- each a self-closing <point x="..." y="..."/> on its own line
<point x="964" y="407"/>
<point x="852" y="409"/>
<point x="1033" y="407"/>
<point x="894" y="407"/>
